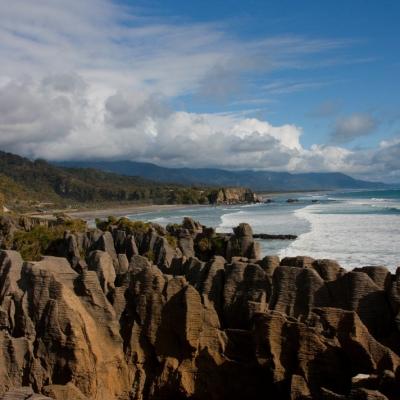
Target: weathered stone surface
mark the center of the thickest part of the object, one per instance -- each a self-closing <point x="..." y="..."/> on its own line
<point x="296" y="290"/>
<point x="379" y="275"/>
<point x="268" y="264"/>
<point x="356" y="291"/>
<point x="106" y="244"/>
<point x="163" y="253"/>
<point x="191" y="225"/>
<point x="131" y="247"/>
<point x="68" y="391"/>
<point x="242" y="243"/>
<point x="189" y="324"/>
<point x="234" y="195"/>
<point x="325" y="350"/>
<point x="24" y="393"/>
<point x="328" y="270"/>
<point x="102" y="264"/>
<point x="245" y="293"/>
<point x="64" y="338"/>
<point x="186" y="244"/>
<point x="299" y="261"/>
<point x="120" y="241"/>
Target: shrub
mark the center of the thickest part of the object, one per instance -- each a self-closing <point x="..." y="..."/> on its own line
<point x="172" y="241"/>
<point x="203" y="244"/>
<point x="218" y="244"/>
<point x="149" y="255"/>
<point x="124" y="224"/>
<point x="35" y="243"/>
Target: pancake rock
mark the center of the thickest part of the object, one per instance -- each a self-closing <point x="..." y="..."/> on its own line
<point x="140" y="312"/>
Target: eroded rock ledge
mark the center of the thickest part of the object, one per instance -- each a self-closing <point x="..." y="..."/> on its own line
<point x="183" y="313"/>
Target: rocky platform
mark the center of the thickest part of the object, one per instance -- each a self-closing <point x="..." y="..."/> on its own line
<point x="183" y="313"/>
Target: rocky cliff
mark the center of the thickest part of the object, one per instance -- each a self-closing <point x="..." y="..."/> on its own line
<point x="136" y="311"/>
<point x="234" y="195"/>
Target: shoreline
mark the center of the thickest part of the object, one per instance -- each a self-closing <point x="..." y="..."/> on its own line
<point x="131" y="209"/>
<point x="127" y="210"/>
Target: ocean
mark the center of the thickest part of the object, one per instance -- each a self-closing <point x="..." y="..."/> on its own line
<point x="356" y="228"/>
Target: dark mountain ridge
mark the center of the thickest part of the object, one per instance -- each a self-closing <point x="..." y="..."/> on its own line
<point x="24" y="182"/>
<point x="255" y="180"/>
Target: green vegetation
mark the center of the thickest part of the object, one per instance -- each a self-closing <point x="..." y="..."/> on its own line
<point x="215" y="244"/>
<point x="203" y="245"/>
<point x="123" y="224"/>
<point x="37" y="184"/>
<point x="172" y="241"/>
<point x="35" y="243"/>
<point x="150" y="255"/>
<point x="218" y="244"/>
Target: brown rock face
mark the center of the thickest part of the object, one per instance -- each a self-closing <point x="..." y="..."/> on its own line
<point x="234" y="196"/>
<point x="188" y="314"/>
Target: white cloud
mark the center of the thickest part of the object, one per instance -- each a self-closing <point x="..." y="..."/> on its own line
<point x="52" y="118"/>
<point x="353" y="126"/>
<point x="75" y="82"/>
<point x="33" y="113"/>
<point x="171" y="58"/>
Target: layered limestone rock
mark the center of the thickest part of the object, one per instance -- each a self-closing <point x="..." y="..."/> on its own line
<point x="59" y="340"/>
<point x="185" y="313"/>
<point x="234" y="195"/>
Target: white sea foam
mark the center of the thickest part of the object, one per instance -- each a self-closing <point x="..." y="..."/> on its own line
<point x="355" y="232"/>
<point x="252" y="205"/>
<point x="159" y="220"/>
<point x="352" y="239"/>
<point x="375" y="203"/>
<point x="279" y="220"/>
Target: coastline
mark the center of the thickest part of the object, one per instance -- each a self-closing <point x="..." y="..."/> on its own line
<point x="127" y="210"/>
<point x="155" y="273"/>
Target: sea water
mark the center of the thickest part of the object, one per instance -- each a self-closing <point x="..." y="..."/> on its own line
<point x="356" y="228"/>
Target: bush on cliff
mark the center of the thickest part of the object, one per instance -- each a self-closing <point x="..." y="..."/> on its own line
<point x="123" y="224"/>
<point x="35" y="243"/>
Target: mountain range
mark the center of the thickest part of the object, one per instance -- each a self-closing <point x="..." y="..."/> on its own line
<point x="255" y="180"/>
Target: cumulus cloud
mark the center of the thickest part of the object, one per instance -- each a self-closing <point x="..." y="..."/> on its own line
<point x="128" y="110"/>
<point x="352" y="127"/>
<point x="85" y="80"/>
<point x="387" y="160"/>
<point x="57" y="121"/>
<point x="31" y="113"/>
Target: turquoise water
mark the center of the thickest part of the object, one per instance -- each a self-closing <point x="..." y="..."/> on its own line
<point x="356" y="228"/>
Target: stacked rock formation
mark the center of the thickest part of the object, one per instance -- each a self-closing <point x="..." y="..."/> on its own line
<point x="184" y="313"/>
<point x="234" y="195"/>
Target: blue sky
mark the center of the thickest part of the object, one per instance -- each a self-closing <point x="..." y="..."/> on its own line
<point x="278" y="85"/>
<point x="360" y="76"/>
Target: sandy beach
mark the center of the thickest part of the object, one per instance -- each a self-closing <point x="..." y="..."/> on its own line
<point x="127" y="210"/>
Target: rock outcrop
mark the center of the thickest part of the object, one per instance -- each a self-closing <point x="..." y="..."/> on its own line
<point x="139" y="312"/>
<point x="235" y="195"/>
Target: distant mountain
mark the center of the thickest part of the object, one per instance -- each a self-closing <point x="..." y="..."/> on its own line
<point x="255" y="180"/>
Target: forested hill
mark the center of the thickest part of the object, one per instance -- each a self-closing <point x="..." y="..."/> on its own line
<point x="255" y="180"/>
<point x="24" y="182"/>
